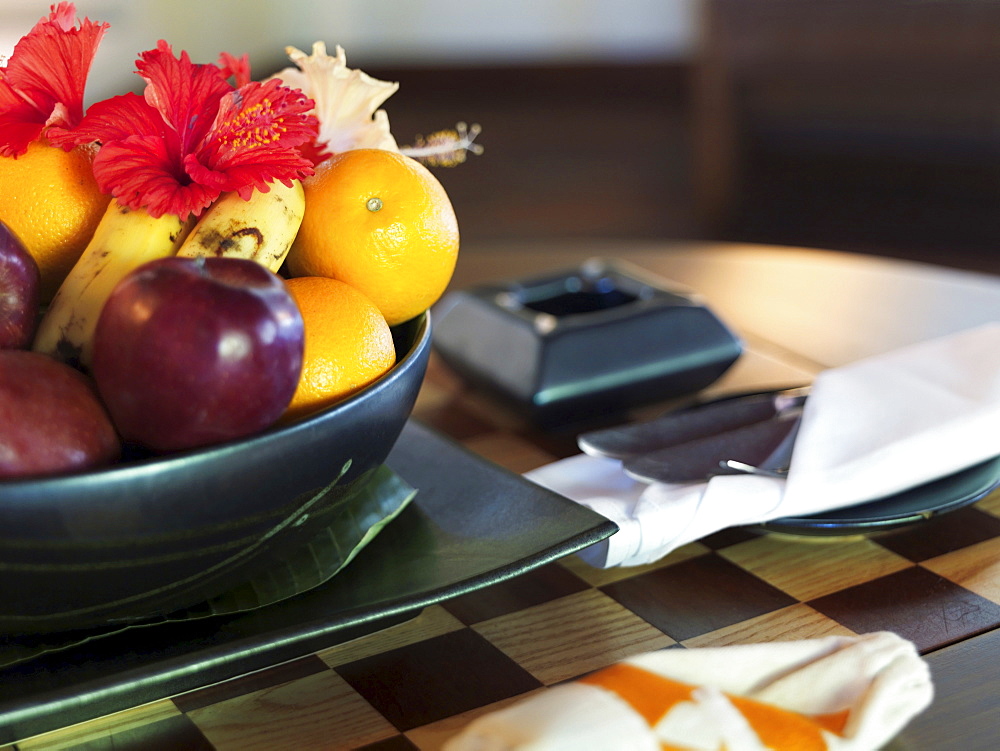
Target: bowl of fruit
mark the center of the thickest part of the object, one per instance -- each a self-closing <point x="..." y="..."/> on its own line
<point x="101" y="530"/>
<point x="216" y="376"/>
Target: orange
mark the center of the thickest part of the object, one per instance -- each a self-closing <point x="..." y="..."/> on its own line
<point x="49" y="198"/>
<point x="381" y="222"/>
<point x="348" y="344"/>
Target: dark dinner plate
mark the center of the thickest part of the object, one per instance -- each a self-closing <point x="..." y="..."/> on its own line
<point x="908" y="507"/>
<point x="470" y="525"/>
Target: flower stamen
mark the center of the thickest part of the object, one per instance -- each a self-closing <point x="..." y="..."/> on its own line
<point x="445" y="148"/>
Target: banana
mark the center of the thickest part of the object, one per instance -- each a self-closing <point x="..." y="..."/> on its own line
<point x="124" y="239"/>
<point x="261" y="229"/>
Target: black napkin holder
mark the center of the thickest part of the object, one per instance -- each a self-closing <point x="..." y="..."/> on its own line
<point x="577" y="345"/>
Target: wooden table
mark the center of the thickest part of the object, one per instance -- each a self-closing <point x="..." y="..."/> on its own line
<point x="414" y="684"/>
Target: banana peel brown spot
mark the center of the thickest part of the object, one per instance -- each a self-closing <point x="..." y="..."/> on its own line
<point x="69" y="353"/>
<point x="213" y="241"/>
<point x="253" y="232"/>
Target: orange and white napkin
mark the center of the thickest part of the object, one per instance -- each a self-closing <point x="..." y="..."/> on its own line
<point x="869" y="429"/>
<point x="836" y="693"/>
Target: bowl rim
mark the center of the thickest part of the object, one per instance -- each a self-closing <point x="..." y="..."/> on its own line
<point x="147" y="466"/>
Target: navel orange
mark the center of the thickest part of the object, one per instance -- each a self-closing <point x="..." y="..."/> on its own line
<point x="348" y="344"/>
<point x="50" y="199"/>
<point x="381" y="222"/>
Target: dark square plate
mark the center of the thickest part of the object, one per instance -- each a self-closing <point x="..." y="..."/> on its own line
<point x="471" y="524"/>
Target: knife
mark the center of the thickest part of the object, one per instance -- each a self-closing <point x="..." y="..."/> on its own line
<point x="691" y="424"/>
<point x="760" y="446"/>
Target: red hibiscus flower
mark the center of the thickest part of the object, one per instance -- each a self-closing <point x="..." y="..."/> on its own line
<point x="42" y="84"/>
<point x="192" y="136"/>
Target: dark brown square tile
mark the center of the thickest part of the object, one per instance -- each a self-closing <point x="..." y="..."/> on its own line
<point x="246" y="684"/>
<point x="948" y="532"/>
<point x="396" y="743"/>
<point x="436" y="678"/>
<point x="697" y="596"/>
<point x="532" y="588"/>
<point x="726" y="537"/>
<point x="915" y="603"/>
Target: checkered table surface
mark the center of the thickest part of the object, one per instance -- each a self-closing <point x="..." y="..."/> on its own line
<point x="413" y="685"/>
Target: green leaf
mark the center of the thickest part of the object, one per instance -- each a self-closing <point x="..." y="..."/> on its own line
<point x="355" y="523"/>
<point x="353" y="520"/>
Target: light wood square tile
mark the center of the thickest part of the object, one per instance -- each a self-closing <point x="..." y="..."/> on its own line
<point x="763" y="366"/>
<point x="432" y="621"/>
<point x="324" y="710"/>
<point x="991" y="503"/>
<point x="812" y="567"/>
<point x="433" y="736"/>
<point x="977" y="568"/>
<point x="787" y="624"/>
<point x="572" y="635"/>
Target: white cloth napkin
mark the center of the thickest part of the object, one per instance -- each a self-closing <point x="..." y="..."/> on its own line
<point x="846" y="693"/>
<point x="869" y="429"/>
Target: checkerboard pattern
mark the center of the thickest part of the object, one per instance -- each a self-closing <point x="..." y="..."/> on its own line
<point x="414" y="685"/>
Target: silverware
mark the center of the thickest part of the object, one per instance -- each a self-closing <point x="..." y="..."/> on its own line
<point x="692" y="424"/>
<point x="749" y="469"/>
<point x="749" y="447"/>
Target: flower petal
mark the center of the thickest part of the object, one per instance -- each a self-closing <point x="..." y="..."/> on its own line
<point x="236" y="67"/>
<point x="255" y="136"/>
<point x="265" y="113"/>
<point x="46" y="75"/>
<point x="113" y="119"/>
<point x="185" y="94"/>
<point x="50" y="64"/>
<point x="347" y="100"/>
<point x="19" y="122"/>
<point x="257" y="173"/>
<point x="141" y="172"/>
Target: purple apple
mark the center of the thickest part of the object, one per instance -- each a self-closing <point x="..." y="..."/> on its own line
<point x="190" y="352"/>
<point x="53" y="421"/>
<point x="20" y="283"/>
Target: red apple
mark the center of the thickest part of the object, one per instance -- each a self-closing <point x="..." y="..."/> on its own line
<point x="190" y="352"/>
<point x="19" y="289"/>
<point x="52" y="421"/>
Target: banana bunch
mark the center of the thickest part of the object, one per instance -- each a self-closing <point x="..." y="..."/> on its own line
<point x="124" y="239"/>
<point x="261" y="229"/>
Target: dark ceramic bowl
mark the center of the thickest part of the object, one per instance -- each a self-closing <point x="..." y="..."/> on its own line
<point x="153" y="535"/>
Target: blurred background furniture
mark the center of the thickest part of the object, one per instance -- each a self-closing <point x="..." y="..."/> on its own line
<point x="865" y="126"/>
<point x="851" y="124"/>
